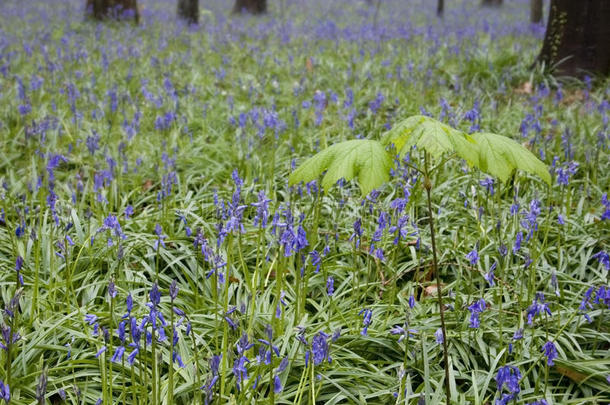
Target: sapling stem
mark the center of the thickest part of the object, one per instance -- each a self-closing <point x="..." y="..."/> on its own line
<point x="428" y="187"/>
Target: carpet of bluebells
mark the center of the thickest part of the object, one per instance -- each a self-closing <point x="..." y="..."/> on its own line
<point x="152" y="251"/>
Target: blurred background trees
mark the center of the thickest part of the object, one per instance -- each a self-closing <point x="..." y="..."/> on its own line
<point x="493" y="3"/>
<point x="101" y="9"/>
<point x="250" y="6"/>
<point x="188" y="10"/>
<point x="577" y="38"/>
<point x="536" y="11"/>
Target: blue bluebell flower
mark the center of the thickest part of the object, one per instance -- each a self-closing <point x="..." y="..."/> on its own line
<point x="539" y="306"/>
<point x="509" y="377"/>
<point x="550" y="351"/>
<point x="439" y="336"/>
<point x="330" y="286"/>
<point x="488" y="183"/>
<point x="319" y="348"/>
<point x="5" y="392"/>
<point x="366" y="320"/>
<point x="476" y="309"/>
<point x="473" y="256"/>
<point x="603" y="258"/>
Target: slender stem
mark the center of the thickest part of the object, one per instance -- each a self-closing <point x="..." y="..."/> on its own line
<point x="170" y="389"/>
<point x="154" y="367"/>
<point x="428" y="187"/>
<point x="225" y="308"/>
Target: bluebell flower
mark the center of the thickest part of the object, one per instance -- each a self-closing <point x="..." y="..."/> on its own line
<point x="283" y="365"/>
<point x="9" y="337"/>
<point x="538" y="402"/>
<point x="99" y="352"/>
<point x="366" y="320"/>
<point x="357" y="234"/>
<point x="5" y="392"/>
<point x="603" y="258"/>
<point x="539" y="306"/>
<point x="240" y="371"/>
<point x="473" y="256"/>
<point x="231" y="323"/>
<point x="91" y="319"/>
<point x="118" y="354"/>
<point x="112" y="292"/>
<point x="18" y="267"/>
<point x="606" y="204"/>
<point x="173" y="290"/>
<point x="400" y="229"/>
<point x="585" y="304"/>
<point x="476" y="309"/>
<point x="517" y="245"/>
<point x="277" y="385"/>
<point x="243" y="345"/>
<point x="129" y="305"/>
<point x="262" y="210"/>
<point x="403" y="332"/>
<point x="316" y="259"/>
<point x="411" y="301"/>
<point x="176" y="358"/>
<point x="550" y="351"/>
<point x="509" y="377"/>
<point x="439" y="336"/>
<point x="160" y="237"/>
<point x="330" y="286"/>
<point x="603" y="296"/>
<point x="531" y="218"/>
<point x="490" y="276"/>
<point x="488" y="183"/>
<point x="319" y="348"/>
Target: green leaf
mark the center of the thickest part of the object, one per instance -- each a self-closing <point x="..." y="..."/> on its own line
<point x="500" y="156"/>
<point x="433" y="136"/>
<point x="362" y="158"/>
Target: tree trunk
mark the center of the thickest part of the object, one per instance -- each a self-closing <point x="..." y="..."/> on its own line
<point x="577" y="38"/>
<point x="188" y="10"/>
<point x="250" y="6"/>
<point x="492" y="3"/>
<point x="440" y="8"/>
<point x="536" y="11"/>
<point x="118" y="9"/>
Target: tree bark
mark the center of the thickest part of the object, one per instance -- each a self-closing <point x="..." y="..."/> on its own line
<point x="440" y="8"/>
<point x="492" y="3"/>
<point x="577" y="38"/>
<point x="250" y="6"/>
<point x="536" y="11"/>
<point x="118" y="9"/>
<point x="188" y="10"/>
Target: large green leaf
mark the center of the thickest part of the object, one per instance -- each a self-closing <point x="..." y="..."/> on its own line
<point x="433" y="136"/>
<point x="500" y="156"/>
<point x="362" y="158"/>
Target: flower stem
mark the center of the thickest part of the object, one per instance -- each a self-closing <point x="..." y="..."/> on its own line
<point x="428" y="187"/>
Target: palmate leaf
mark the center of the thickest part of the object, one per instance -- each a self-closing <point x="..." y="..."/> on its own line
<point x="500" y="156"/>
<point x="433" y="136"/>
<point x="362" y="158"/>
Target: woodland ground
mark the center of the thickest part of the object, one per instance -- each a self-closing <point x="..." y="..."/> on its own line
<point x="135" y="157"/>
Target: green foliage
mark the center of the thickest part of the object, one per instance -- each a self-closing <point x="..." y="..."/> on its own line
<point x="360" y="158"/>
<point x="371" y="162"/>
<point x="500" y="156"/>
<point x="433" y="136"/>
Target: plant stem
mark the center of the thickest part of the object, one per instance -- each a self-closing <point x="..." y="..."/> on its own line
<point x="170" y="389"/>
<point x="428" y="187"/>
<point x="225" y="308"/>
